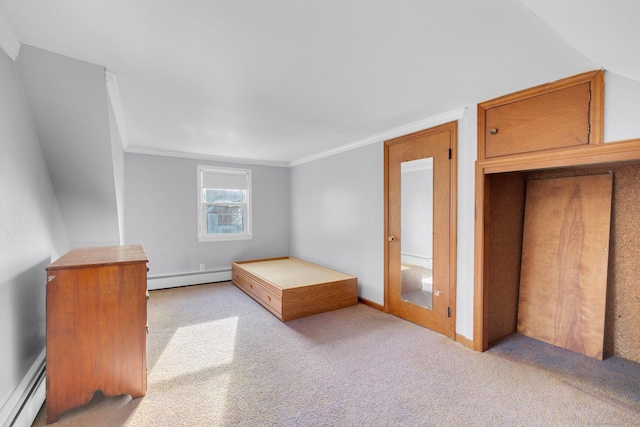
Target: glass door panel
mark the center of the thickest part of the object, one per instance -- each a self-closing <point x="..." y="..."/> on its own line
<point x="416" y="250"/>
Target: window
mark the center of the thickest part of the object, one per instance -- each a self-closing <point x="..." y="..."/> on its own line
<point x="224" y="203"/>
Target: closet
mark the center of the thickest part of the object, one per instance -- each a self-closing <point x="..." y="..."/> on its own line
<point x="516" y="145"/>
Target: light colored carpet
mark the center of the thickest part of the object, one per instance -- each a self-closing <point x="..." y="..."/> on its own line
<point x="217" y="358"/>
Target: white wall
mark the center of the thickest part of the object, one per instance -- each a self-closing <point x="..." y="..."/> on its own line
<point x="337" y="215"/>
<point x="31" y="236"/>
<point x="467" y="155"/>
<point x="161" y="214"/>
<point x="621" y="108"/>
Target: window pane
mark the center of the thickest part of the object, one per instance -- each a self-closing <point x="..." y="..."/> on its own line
<point x="225" y="219"/>
<point x="223" y="196"/>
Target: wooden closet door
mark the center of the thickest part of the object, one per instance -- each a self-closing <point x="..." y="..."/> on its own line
<point x="563" y="280"/>
<point x="422" y="293"/>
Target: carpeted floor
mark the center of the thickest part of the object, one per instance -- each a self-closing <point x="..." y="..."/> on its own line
<point x="217" y="358"/>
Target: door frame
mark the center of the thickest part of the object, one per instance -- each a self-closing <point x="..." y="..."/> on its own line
<point x="452" y="127"/>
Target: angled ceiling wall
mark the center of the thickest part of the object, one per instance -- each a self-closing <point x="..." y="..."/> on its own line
<point x="69" y="108"/>
<point x="606" y="32"/>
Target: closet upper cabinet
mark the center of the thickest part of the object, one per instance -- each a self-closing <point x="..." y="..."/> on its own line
<point x="556" y="115"/>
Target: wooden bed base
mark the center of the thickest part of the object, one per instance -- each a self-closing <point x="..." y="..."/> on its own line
<point x="290" y="288"/>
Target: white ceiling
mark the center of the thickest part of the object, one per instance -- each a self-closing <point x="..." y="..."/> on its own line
<point x="282" y="80"/>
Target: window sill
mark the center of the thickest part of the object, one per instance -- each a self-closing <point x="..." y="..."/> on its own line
<point x="225" y="238"/>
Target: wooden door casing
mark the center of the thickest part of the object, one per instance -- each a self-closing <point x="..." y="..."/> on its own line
<point x="439" y="143"/>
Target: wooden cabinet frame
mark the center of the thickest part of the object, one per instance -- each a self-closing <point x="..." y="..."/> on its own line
<point x="596" y="154"/>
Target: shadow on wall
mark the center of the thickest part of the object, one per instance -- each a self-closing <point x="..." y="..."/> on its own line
<point x="23" y="318"/>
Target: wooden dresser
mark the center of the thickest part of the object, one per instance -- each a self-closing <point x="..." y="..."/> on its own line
<point x="96" y="326"/>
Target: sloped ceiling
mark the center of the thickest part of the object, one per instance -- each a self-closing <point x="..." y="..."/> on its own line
<point x="68" y="103"/>
<point x="282" y="80"/>
<point x="606" y="32"/>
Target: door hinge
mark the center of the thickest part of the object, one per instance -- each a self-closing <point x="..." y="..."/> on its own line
<point x="448" y="311"/>
<point x="449" y="153"/>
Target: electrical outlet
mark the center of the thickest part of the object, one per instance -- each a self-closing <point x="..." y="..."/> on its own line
<point x="201" y="267"/>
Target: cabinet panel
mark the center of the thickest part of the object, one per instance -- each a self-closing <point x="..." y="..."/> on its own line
<point x="559" y="115"/>
<point x="553" y="120"/>
<point x="565" y="253"/>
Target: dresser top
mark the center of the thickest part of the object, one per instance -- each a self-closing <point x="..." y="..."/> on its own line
<point x="98" y="256"/>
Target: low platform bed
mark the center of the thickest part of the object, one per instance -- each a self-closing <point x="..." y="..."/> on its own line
<point x="290" y="288"/>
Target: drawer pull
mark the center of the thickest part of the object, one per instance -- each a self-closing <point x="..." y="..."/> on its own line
<point x="493" y="131"/>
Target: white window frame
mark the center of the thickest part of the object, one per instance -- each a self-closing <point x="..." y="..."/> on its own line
<point x="202" y="235"/>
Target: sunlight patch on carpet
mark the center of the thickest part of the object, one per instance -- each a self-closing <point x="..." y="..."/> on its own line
<point x="196" y="348"/>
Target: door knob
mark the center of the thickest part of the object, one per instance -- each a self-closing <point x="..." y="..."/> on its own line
<point x="391" y="238"/>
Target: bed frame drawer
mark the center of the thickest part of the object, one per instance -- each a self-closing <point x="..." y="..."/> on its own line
<point x="290" y="288"/>
<point x="258" y="291"/>
<point x="272" y="300"/>
<point x="245" y="283"/>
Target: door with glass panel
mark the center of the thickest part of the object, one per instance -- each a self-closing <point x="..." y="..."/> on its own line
<point x="419" y="232"/>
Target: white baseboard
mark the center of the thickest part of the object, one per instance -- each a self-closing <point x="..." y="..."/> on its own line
<point x="187" y="279"/>
<point x="22" y="407"/>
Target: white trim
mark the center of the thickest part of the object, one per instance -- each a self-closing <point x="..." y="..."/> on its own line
<point x="116" y="105"/>
<point x="25" y="402"/>
<point x="393" y="133"/>
<point x="224" y="237"/>
<point x="187" y="279"/>
<point x="183" y="155"/>
<point x="9" y="40"/>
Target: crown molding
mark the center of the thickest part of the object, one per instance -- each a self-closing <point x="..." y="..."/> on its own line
<point x="390" y="134"/>
<point x="116" y="105"/>
<point x="8" y="40"/>
<point x="181" y="154"/>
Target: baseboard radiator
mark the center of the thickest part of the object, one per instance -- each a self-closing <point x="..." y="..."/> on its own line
<point x="22" y="407"/>
<point x="187" y="279"/>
